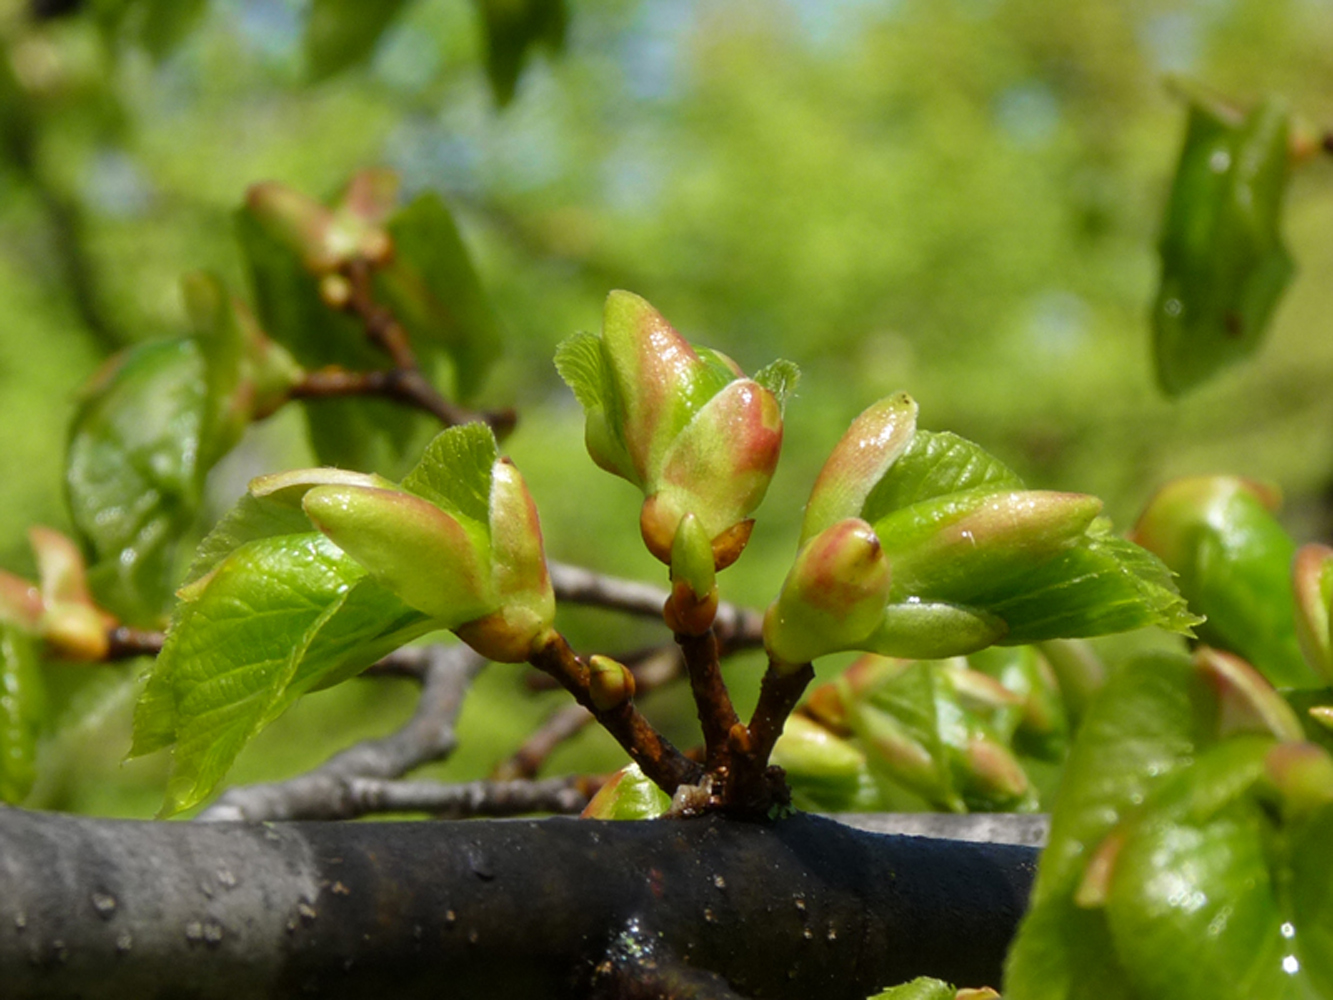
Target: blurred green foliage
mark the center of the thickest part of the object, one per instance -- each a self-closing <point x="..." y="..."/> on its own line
<point x="960" y="198"/>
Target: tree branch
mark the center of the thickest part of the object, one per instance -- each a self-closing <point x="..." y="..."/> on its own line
<point x="799" y="908"/>
<point x="328" y="792"/>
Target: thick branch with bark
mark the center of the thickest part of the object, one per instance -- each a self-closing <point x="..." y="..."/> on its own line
<point x="804" y="907"/>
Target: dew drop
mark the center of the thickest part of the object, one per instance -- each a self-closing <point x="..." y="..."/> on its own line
<point x="719" y="881"/>
<point x="1291" y="965"/>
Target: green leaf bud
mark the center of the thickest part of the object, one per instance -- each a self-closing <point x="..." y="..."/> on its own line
<point x="411" y="546"/>
<point x="932" y="630"/>
<point x="858" y="462"/>
<point x="833" y="597"/>
<point x="610" y="683"/>
<point x="297" y="221"/>
<point x="1246" y="703"/>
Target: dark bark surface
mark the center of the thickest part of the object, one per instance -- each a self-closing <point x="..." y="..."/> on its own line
<point x="804" y="907"/>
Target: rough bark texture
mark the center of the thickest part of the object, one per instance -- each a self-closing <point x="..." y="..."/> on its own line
<point x="804" y="907"/>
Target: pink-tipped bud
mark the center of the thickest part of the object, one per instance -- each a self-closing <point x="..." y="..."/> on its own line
<point x="875" y="440"/>
<point x="1312" y="583"/>
<point x="832" y="599"/>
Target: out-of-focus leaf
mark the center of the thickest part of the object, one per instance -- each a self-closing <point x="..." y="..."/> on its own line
<point x="1233" y="561"/>
<point x="827" y="772"/>
<point x="371" y="434"/>
<point x="22" y="708"/>
<point x="277" y="617"/>
<point x="513" y="27"/>
<point x="1224" y="266"/>
<point x="1153" y="715"/>
<point x="133" y="479"/>
<point x="1191" y="904"/>
<point x="1310" y="885"/>
<point x="342" y="33"/>
<point x="436" y="294"/>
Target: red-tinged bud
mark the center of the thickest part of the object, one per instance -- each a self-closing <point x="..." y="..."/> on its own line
<point x="628" y="795"/>
<point x="518" y="566"/>
<point x="610" y="684"/>
<point x="977" y="993"/>
<point x="20" y="602"/>
<point x="993" y="771"/>
<point x="980" y="692"/>
<point x="1312" y="583"/>
<point x="1246" y="702"/>
<point x="1169" y="522"/>
<point x="832" y="599"/>
<point x="1303" y="776"/>
<point x="370" y="196"/>
<point x="719" y="466"/>
<point x="412" y="547"/>
<point x="299" y="222"/>
<point x="875" y="440"/>
<point x="951" y="546"/>
<point x="1093" y="890"/>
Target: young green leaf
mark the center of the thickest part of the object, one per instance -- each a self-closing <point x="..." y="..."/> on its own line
<point x="918" y="989"/>
<point x="435" y="292"/>
<point x="455" y="472"/>
<point x="780" y="378"/>
<point x="275" y="618"/>
<point x="1224" y="266"/>
<point x="628" y="795"/>
<point x="934" y="465"/>
<point x="22" y="708"/>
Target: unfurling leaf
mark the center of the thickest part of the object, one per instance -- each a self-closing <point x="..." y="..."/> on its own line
<point x="973" y="558"/>
<point x="628" y="795"/>
<point x="273" y="608"/>
<point x="1224" y="266"/>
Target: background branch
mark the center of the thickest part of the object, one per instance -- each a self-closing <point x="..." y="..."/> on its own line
<point x="329" y="791"/>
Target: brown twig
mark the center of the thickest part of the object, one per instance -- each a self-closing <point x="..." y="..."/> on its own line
<point x="651" y="669"/>
<point x="406" y="386"/>
<point x="125" y="643"/>
<point x="717" y="716"/>
<point x="754" y="786"/>
<point x="657" y="758"/>
<point x="328" y="791"/>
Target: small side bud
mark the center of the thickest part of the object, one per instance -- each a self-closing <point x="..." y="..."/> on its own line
<point x="628" y="795"/>
<point x="335" y="291"/>
<point x="832" y="599"/>
<point x="610" y="683"/>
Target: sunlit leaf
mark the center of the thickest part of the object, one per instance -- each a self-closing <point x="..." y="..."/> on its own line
<point x="628" y="794"/>
<point x="918" y="989"/>
<point x="936" y="464"/>
<point x="1224" y="266"/>
<point x="22" y="708"/>
<point x="277" y="617"/>
<point x="435" y="293"/>
<point x="342" y="33"/>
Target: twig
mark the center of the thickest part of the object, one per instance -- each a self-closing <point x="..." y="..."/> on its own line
<point x="405" y="383"/>
<point x="349" y="798"/>
<point x="736" y="627"/>
<point x="717" y="716"/>
<point x="324" y="792"/>
<point x="656" y="757"/>
<point x="406" y="386"/>
<point x="756" y="787"/>
<point x="651" y="668"/>
<point x="124" y="643"/>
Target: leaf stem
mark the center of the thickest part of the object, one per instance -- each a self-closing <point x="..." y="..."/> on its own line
<point x="657" y="758"/>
